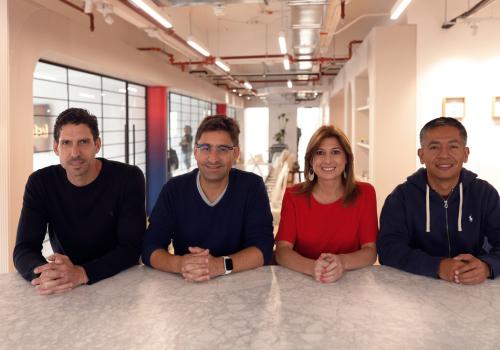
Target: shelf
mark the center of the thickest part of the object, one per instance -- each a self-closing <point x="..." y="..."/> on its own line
<point x="363" y="145"/>
<point x="363" y="108"/>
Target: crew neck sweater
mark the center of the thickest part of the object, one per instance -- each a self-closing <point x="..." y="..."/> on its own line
<point x="99" y="226"/>
<point x="241" y="219"/>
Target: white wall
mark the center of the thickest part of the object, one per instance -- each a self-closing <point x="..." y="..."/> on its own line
<point x="337" y="110"/>
<point x="62" y="35"/>
<point x="456" y="63"/>
<point x="393" y="80"/>
<point x="256" y="123"/>
<point x="387" y="59"/>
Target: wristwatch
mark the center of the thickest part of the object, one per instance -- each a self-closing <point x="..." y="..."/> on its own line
<point x="228" y="265"/>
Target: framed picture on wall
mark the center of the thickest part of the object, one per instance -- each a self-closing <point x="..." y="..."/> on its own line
<point x="496" y="107"/>
<point x="454" y="107"/>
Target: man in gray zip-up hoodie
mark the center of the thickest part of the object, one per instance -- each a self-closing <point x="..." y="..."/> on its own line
<point x="443" y="221"/>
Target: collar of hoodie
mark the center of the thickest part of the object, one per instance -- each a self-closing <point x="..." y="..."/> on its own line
<point x="428" y="208"/>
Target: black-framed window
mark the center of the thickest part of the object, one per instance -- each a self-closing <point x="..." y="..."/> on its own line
<point x="118" y="105"/>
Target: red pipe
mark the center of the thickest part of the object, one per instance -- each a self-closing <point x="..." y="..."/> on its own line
<point x="157" y="49"/>
<point x="351" y="43"/>
<point x="283" y="81"/>
<point x="91" y="15"/>
<point x="211" y="60"/>
<point x="251" y="56"/>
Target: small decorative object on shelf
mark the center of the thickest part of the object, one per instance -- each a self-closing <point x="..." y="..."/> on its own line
<point x="280" y="135"/>
<point x="363" y="145"/>
<point x="496" y="107"/>
<point x="454" y="107"/>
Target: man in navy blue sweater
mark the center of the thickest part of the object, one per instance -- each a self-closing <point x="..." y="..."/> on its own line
<point x="443" y="221"/>
<point x="217" y="218"/>
<point x="93" y="208"/>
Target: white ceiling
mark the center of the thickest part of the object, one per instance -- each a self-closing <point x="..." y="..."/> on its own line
<point x="249" y="30"/>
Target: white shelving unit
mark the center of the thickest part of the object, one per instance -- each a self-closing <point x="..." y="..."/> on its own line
<point x="361" y="131"/>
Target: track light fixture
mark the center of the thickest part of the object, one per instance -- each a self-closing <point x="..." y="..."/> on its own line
<point x="198" y="47"/>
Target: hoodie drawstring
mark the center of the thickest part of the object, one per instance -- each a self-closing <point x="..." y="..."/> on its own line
<point x="460" y="208"/>
<point x="428" y="210"/>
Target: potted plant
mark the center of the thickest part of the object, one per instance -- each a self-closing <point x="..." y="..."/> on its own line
<point x="282" y="122"/>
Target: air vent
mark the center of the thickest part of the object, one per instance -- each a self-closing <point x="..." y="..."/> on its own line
<point x="199" y="73"/>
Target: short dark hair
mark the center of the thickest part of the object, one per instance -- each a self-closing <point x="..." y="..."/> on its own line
<point x="443" y="121"/>
<point x="76" y="116"/>
<point x="216" y="123"/>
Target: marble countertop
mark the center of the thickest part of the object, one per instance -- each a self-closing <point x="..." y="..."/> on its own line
<point x="267" y="308"/>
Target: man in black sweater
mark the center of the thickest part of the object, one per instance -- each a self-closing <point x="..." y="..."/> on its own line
<point x="93" y="207"/>
<point x="217" y="218"/>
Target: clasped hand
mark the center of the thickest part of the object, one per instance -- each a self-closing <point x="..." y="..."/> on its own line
<point x="59" y="275"/>
<point x="464" y="268"/>
<point x="328" y="268"/>
<point x="199" y="265"/>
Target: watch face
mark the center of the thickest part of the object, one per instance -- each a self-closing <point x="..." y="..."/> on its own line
<point x="228" y="264"/>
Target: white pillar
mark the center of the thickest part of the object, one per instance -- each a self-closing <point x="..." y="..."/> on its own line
<point x="4" y="138"/>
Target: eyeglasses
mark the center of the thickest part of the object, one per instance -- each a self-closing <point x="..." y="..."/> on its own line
<point x="206" y="149"/>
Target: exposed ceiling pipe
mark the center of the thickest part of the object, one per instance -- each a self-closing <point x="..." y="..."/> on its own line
<point x="91" y="15"/>
<point x="481" y="4"/>
<point x="315" y="79"/>
<point x="158" y="49"/>
<point x="268" y="75"/>
<point x="333" y="16"/>
<point x="211" y="60"/>
<point x="251" y="57"/>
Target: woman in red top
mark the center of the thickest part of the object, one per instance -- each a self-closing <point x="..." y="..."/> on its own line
<point x="329" y="222"/>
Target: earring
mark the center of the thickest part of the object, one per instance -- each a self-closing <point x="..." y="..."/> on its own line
<point x="310" y="175"/>
<point x="345" y="174"/>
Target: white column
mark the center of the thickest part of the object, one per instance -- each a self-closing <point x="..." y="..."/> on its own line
<point x="4" y="137"/>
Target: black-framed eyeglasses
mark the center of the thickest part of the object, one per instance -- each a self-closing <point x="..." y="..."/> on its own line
<point x="206" y="148"/>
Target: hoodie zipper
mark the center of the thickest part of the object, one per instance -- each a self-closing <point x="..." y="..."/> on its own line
<point x="447" y="230"/>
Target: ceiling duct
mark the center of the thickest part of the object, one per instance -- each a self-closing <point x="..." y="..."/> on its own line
<point x="302" y="96"/>
<point x="306" y="22"/>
